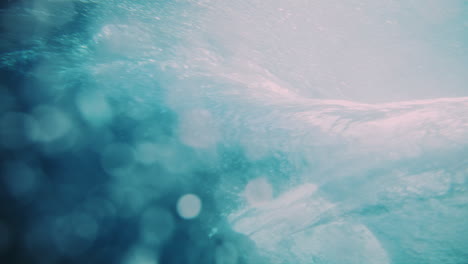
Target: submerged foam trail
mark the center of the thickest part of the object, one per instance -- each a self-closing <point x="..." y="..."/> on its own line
<point x="372" y="161"/>
<point x="372" y="164"/>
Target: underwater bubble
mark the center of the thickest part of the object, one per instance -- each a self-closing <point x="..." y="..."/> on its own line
<point x="75" y="233"/>
<point x="130" y="198"/>
<point x="51" y="124"/>
<point x="189" y="206"/>
<point x="117" y="158"/>
<point x="339" y="242"/>
<point x="258" y="191"/>
<point x="85" y="226"/>
<point x="100" y="208"/>
<point x="94" y="107"/>
<point x="147" y="152"/>
<point x="173" y="156"/>
<point x="156" y="225"/>
<point x="141" y="255"/>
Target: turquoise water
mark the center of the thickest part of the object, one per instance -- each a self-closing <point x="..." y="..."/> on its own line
<point x="144" y="132"/>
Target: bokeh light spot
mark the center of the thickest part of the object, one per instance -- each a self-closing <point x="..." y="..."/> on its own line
<point x="75" y="233"/>
<point x="94" y="108"/>
<point x="189" y="206"/>
<point x="51" y="124"/>
<point x="157" y="225"/>
<point x="117" y="158"/>
<point x="258" y="191"/>
<point x="146" y="152"/>
<point x="141" y="255"/>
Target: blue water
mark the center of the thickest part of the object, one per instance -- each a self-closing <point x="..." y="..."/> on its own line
<point x="145" y="132"/>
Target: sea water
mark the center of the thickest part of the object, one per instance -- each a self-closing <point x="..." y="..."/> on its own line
<point x="198" y="131"/>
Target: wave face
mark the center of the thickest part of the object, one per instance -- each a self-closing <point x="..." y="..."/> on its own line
<point x="198" y="131"/>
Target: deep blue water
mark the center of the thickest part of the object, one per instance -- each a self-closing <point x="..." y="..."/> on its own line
<point x="310" y="132"/>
